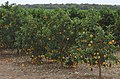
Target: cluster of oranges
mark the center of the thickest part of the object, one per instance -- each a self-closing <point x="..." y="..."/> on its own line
<point x="37" y="59"/>
<point x="111" y="42"/>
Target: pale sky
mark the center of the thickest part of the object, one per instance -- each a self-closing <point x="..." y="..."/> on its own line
<point x="111" y="2"/>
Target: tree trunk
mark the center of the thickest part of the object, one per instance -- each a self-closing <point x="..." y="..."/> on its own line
<point x="99" y="71"/>
<point x="61" y="63"/>
<point x="18" y="51"/>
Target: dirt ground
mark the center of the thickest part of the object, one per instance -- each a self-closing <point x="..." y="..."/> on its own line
<point x="18" y="67"/>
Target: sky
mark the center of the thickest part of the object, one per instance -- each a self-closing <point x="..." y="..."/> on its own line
<point x="108" y="2"/>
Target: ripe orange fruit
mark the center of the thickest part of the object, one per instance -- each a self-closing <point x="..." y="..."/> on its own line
<point x="97" y="53"/>
<point x="110" y="42"/>
<point x="105" y="56"/>
<point x="91" y="36"/>
<point x="103" y="63"/>
<point x="78" y="49"/>
<point x="95" y="57"/>
<point x="88" y="64"/>
<point x="94" y="53"/>
<point x="113" y="41"/>
<point x="60" y="32"/>
<point x="96" y="62"/>
<point x="32" y="56"/>
<point x="49" y="38"/>
<point x="23" y="65"/>
<point x="41" y="62"/>
<point x="89" y="44"/>
<point x="83" y="40"/>
<point x="80" y="56"/>
<point x="98" y="57"/>
<point x="68" y="38"/>
<point x="75" y="56"/>
<point x="91" y="41"/>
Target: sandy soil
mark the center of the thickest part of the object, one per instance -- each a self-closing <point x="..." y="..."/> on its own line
<point x="19" y="67"/>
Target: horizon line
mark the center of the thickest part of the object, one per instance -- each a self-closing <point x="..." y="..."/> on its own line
<point x="62" y="3"/>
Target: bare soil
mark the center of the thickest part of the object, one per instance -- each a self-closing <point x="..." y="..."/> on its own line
<point x="13" y="66"/>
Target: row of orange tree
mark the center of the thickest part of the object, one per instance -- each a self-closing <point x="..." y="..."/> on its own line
<point x="68" y="36"/>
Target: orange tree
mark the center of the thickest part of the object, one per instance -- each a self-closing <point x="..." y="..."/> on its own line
<point x="55" y="34"/>
<point x="41" y="35"/>
<point x="97" y="47"/>
<point x="10" y="22"/>
<point x="94" y="45"/>
<point x="34" y="34"/>
<point x="6" y="28"/>
<point x="61" y="37"/>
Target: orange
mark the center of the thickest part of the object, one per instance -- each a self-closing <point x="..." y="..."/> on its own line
<point x="91" y="35"/>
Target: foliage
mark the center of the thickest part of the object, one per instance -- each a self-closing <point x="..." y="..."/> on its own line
<point x="63" y="35"/>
